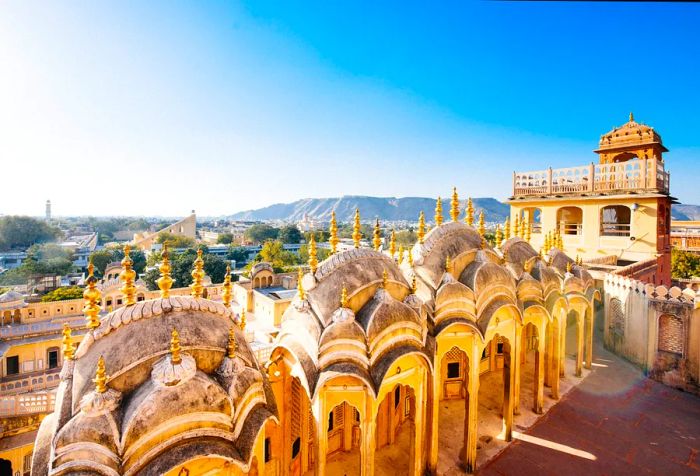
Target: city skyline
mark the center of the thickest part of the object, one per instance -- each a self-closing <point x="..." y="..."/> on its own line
<point x="198" y="107"/>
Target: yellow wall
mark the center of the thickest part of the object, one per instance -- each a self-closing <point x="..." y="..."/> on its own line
<point x="16" y="457"/>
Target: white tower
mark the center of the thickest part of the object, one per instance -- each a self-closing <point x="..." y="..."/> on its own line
<point x="48" y="210"/>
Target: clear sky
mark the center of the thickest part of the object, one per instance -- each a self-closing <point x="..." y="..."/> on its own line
<point x="156" y="108"/>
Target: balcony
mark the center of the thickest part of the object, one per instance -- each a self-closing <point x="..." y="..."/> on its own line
<point x="638" y="175"/>
<point x="28" y="404"/>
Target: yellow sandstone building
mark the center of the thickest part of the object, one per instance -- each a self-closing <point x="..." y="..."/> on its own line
<point x="616" y="212"/>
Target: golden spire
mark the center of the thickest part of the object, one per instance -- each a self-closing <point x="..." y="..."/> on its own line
<point x="231" y="345"/>
<point x="401" y="252"/>
<point x="226" y="287"/>
<point x="356" y="234"/>
<point x="548" y="242"/>
<point x="448" y="265"/>
<point x="300" y="286"/>
<point x="576" y="260"/>
<point x="313" y="259"/>
<point x="175" y="356"/>
<point x="92" y="297"/>
<point x="421" y="227"/>
<point x="454" y="205"/>
<point x="506" y="229"/>
<point x="392" y="244"/>
<point x="438" y="212"/>
<point x="198" y="276"/>
<point x="410" y="257"/>
<point x="469" y="219"/>
<point x="128" y="275"/>
<point x="100" y="379"/>
<point x="68" y="348"/>
<point x="414" y="285"/>
<point x="631" y="117"/>
<point x="499" y="235"/>
<point x="344" y="297"/>
<point x="165" y="282"/>
<point x="568" y="266"/>
<point x="528" y="231"/>
<point x="517" y="230"/>
<point x="482" y="225"/>
<point x="377" y="239"/>
<point x="242" y="322"/>
<point x="333" y="239"/>
<point x="385" y="278"/>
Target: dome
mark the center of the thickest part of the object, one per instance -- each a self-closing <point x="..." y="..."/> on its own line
<point x="12" y="300"/>
<point x="152" y="405"/>
<point x="629" y="134"/>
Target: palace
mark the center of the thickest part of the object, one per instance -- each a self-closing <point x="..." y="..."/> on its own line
<point x="373" y="361"/>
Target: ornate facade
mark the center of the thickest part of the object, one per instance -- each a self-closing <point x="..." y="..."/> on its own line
<point x="368" y="351"/>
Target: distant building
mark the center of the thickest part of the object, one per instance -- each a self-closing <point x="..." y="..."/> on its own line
<point x="48" y="210"/>
<point x="685" y="235"/>
<point x="185" y="227"/>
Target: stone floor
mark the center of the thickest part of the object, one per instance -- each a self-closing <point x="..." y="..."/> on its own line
<point x="615" y="423"/>
<point x="491" y="442"/>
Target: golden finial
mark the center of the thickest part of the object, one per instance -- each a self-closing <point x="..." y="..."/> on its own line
<point x="546" y="243"/>
<point x="198" y="276"/>
<point x="528" y="231"/>
<point x="356" y="234"/>
<point x="469" y="219"/>
<point x="631" y="117"/>
<point x="231" y="345"/>
<point x="300" y="286"/>
<point x="92" y="297"/>
<point x="576" y="260"/>
<point x="392" y="244"/>
<point x="100" y="379"/>
<point x="454" y="205"/>
<point x="568" y="266"/>
<point x="438" y="212"/>
<point x="506" y="229"/>
<point x="344" y="297"/>
<point x="333" y="239"/>
<point x="377" y="239"/>
<point x="499" y="235"/>
<point x="175" y="356"/>
<point x="128" y="275"/>
<point x="516" y="226"/>
<point x="559" y="241"/>
<point x="401" y="252"/>
<point x="448" y="265"/>
<point x="313" y="259"/>
<point x="385" y="278"/>
<point x="421" y="227"/>
<point x="226" y="293"/>
<point x="165" y="282"/>
<point x="68" y="348"/>
<point x="414" y="285"/>
<point x="242" y="322"/>
<point x="482" y="225"/>
<point x="410" y="257"/>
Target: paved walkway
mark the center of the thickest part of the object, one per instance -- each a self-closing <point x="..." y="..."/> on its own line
<point x="616" y="422"/>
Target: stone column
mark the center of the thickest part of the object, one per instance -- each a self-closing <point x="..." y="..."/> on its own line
<point x="435" y="412"/>
<point x="539" y="377"/>
<point x="516" y="350"/>
<point x="589" y="336"/>
<point x="471" y="421"/>
<point x="368" y="442"/>
<point x="556" y="371"/>
<point x="321" y="437"/>
<point x="419" y="424"/>
<point x="579" y="344"/>
<point x="509" y="388"/>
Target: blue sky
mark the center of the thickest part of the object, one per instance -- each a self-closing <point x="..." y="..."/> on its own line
<point x="156" y="108"/>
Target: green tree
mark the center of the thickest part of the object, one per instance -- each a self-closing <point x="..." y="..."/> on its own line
<point x="406" y="238"/>
<point x="321" y="254"/>
<point x="20" y="232"/>
<point x="150" y="277"/>
<point x="175" y="241"/>
<point x="137" y="256"/>
<point x="321" y="236"/>
<point x="237" y="253"/>
<point x="273" y="252"/>
<point x="63" y="294"/>
<point x="100" y="259"/>
<point x="225" y="238"/>
<point x="684" y="264"/>
<point x="183" y="264"/>
<point x="260" y="232"/>
<point x="289" y="234"/>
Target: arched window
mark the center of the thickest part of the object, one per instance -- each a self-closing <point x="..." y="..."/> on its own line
<point x="615" y="220"/>
<point x="570" y="220"/>
<point x="617" y="317"/>
<point x="670" y="334"/>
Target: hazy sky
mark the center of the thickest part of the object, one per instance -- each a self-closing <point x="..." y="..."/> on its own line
<point x="149" y="108"/>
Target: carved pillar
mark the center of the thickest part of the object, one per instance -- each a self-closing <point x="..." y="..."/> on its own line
<point x="321" y="436"/>
<point x="539" y="377"/>
<point x="579" y="343"/>
<point x="509" y="358"/>
<point x="368" y="442"/>
<point x="435" y="412"/>
<point x="517" y="351"/>
<point x="549" y="345"/>
<point x="419" y="423"/>
<point x="556" y="356"/>
<point x="471" y="411"/>
<point x="589" y="335"/>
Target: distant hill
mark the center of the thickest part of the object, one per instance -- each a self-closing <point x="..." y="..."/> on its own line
<point x="386" y="209"/>
<point x="395" y="209"/>
<point x="685" y="212"/>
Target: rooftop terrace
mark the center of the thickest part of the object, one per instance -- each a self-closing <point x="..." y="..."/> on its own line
<point x="632" y="176"/>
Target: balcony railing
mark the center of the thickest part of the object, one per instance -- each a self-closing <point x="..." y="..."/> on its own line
<point x="27" y="404"/>
<point x="633" y="175"/>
